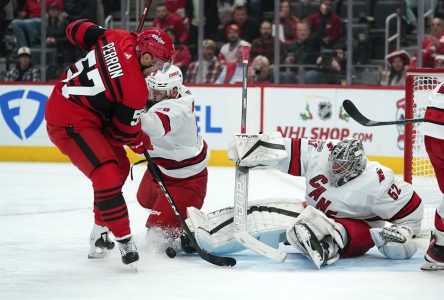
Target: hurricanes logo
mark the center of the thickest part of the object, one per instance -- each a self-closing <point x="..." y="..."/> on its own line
<point x="10" y="106"/>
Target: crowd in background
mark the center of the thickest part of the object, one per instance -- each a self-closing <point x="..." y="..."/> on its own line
<point x="312" y="47"/>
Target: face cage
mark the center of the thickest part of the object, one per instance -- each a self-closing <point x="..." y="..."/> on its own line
<point x="341" y="170"/>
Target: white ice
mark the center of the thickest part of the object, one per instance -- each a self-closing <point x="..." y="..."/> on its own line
<point x="46" y="218"/>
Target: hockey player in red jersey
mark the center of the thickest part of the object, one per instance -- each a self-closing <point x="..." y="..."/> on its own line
<point x="180" y="153"/>
<point x="94" y="110"/>
<point x="433" y="130"/>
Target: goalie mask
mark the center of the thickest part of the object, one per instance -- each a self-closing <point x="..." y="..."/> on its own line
<point x="346" y="161"/>
<point x="162" y="84"/>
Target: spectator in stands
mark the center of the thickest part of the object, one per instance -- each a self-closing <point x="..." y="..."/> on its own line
<point x="228" y="52"/>
<point x="331" y="66"/>
<point x="260" y="71"/>
<point x="211" y="66"/>
<point x="181" y="57"/>
<point x="232" y="72"/>
<point x="288" y="73"/>
<point x="439" y="61"/>
<point x="264" y="44"/>
<point x="431" y="44"/>
<point x="176" y="7"/>
<point x="307" y="47"/>
<point x="226" y="8"/>
<point x="24" y="70"/>
<point x="26" y="27"/>
<point x="211" y="23"/>
<point x="302" y="9"/>
<point x="398" y="62"/>
<point x="289" y="24"/>
<point x="6" y="17"/>
<point x="80" y="9"/>
<point x="167" y="20"/>
<point x="326" y="24"/>
<point x="411" y="9"/>
<point x="249" y="27"/>
<point x="55" y="30"/>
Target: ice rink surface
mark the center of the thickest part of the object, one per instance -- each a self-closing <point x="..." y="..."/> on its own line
<point x="46" y="218"/>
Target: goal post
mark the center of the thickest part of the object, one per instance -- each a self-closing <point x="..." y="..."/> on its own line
<point x="417" y="167"/>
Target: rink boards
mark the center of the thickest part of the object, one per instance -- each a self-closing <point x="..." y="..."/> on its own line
<point x="294" y="110"/>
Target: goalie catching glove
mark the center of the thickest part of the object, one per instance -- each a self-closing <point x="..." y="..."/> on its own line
<point x="394" y="242"/>
<point x="257" y="150"/>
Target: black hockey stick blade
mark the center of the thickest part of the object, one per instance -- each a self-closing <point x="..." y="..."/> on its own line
<point x="356" y="115"/>
<point x="215" y="260"/>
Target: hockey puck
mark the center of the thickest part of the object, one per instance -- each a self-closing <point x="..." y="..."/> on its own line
<point x="170" y="252"/>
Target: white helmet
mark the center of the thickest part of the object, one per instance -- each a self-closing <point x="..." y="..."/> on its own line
<point x="165" y="81"/>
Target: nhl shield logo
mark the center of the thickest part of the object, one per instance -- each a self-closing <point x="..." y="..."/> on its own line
<point x="325" y="110"/>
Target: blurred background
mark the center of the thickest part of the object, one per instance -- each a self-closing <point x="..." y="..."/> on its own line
<point x="345" y="42"/>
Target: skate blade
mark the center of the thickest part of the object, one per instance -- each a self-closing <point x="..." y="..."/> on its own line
<point x="97" y="253"/>
<point x="133" y="266"/>
<point x="429" y="266"/>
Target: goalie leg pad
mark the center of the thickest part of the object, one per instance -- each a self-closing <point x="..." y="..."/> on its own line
<point x="267" y="221"/>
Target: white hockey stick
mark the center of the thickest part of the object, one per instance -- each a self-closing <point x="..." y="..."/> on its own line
<point x="240" y="211"/>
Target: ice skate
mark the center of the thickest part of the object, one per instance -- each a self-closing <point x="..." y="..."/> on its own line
<point x="434" y="257"/>
<point x="100" y="243"/>
<point x="128" y="250"/>
<point x="319" y="252"/>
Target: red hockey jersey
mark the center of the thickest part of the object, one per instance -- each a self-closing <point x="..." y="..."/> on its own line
<point x="103" y="89"/>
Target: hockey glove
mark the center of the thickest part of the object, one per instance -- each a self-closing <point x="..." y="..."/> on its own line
<point x="395" y="242"/>
<point x="257" y="150"/>
<point x="143" y="143"/>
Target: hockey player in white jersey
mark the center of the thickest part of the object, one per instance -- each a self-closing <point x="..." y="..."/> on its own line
<point x="351" y="203"/>
<point x="180" y="153"/>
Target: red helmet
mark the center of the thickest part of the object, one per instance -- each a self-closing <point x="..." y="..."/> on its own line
<point x="156" y="42"/>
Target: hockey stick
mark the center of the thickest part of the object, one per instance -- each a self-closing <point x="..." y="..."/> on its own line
<point x="144" y="14"/>
<point x="216" y="260"/>
<point x="356" y="115"/>
<point x="240" y="211"/>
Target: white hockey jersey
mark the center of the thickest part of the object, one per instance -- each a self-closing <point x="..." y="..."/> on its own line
<point x="178" y="149"/>
<point x="374" y="196"/>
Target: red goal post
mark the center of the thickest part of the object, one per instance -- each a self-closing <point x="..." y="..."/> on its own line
<point x="417" y="168"/>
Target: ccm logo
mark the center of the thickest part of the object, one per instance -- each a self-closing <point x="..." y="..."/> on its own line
<point x="174" y="74"/>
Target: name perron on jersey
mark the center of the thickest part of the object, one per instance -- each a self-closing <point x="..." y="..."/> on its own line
<point x="374" y="196"/>
<point x="105" y="88"/>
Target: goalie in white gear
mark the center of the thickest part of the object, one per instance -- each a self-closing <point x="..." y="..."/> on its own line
<point x="179" y="151"/>
<point x="353" y="203"/>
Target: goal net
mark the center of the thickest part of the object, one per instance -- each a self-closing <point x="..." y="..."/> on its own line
<point x="417" y="167"/>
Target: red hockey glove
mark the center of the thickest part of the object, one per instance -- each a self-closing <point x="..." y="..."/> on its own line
<point x="143" y="144"/>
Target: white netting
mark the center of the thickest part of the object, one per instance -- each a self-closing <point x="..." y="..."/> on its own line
<point x="423" y="176"/>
